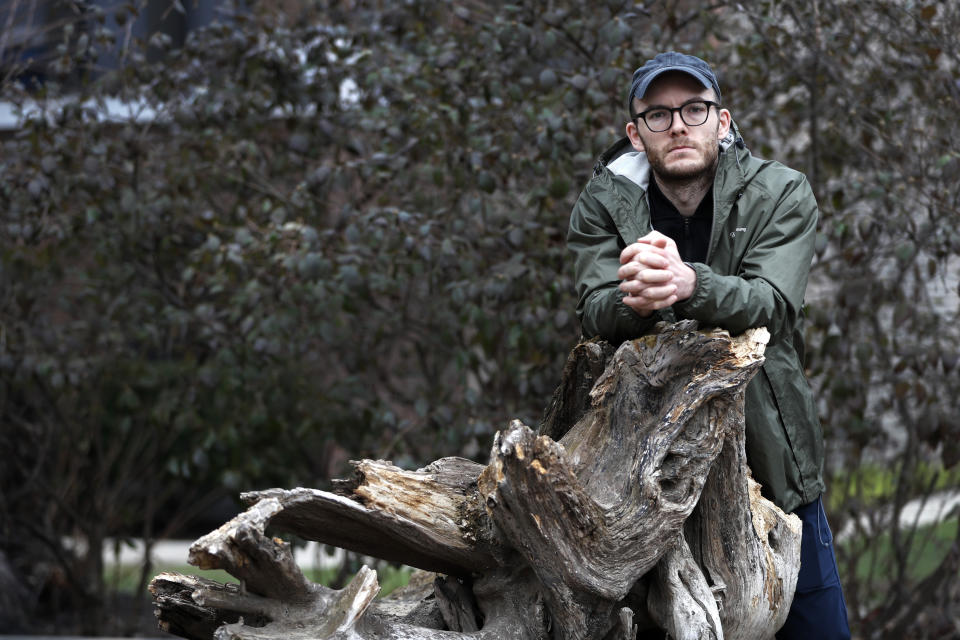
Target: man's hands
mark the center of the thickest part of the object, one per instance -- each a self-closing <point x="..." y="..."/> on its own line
<point x="653" y="275"/>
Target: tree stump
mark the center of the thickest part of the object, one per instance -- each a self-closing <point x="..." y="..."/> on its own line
<point x="633" y="510"/>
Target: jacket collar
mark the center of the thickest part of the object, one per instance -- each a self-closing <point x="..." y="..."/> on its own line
<point x="617" y="149"/>
<point x="729" y="182"/>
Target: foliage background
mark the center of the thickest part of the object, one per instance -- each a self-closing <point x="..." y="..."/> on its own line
<point x="329" y="230"/>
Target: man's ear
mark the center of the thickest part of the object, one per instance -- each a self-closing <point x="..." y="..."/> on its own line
<point x="634" y="134"/>
<point x="724" y="127"/>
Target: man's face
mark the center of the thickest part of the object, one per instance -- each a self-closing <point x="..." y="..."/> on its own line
<point x="682" y="152"/>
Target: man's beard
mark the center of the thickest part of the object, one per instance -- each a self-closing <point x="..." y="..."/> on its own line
<point x="685" y="174"/>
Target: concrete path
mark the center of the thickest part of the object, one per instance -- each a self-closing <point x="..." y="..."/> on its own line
<point x="918" y="513"/>
<point x="175" y="552"/>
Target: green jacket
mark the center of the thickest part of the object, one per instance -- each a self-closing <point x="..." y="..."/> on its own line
<point x="761" y="246"/>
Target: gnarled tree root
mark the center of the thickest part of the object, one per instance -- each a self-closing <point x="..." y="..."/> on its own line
<point x="647" y="486"/>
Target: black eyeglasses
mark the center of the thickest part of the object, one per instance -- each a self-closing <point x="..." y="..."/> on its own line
<point x="693" y="114"/>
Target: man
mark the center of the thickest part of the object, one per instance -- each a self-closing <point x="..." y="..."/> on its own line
<point x="690" y="225"/>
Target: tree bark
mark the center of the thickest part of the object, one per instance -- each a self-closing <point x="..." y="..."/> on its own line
<point x="647" y="486"/>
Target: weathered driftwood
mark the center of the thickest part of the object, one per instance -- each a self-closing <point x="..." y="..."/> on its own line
<point x="641" y="515"/>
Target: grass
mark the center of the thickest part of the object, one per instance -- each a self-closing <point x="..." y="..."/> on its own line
<point x="869" y="561"/>
<point x="875" y="558"/>
<point x="874" y="484"/>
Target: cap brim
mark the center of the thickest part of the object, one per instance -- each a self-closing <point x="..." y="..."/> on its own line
<point x="696" y="73"/>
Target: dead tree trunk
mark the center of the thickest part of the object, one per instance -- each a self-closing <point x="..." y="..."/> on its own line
<point x="637" y="513"/>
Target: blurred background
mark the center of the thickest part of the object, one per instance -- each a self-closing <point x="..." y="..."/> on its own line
<point x="242" y="243"/>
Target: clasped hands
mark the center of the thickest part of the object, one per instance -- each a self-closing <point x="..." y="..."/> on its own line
<point x="653" y="275"/>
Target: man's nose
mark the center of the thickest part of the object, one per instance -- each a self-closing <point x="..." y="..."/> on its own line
<point x="677" y="125"/>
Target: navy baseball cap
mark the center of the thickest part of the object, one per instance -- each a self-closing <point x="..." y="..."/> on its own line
<point x="671" y="61"/>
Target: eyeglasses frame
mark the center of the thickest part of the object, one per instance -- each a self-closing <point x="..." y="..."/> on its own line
<point x="674" y="110"/>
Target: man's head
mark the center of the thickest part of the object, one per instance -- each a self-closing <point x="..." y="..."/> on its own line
<point x="675" y="116"/>
<point x="665" y="63"/>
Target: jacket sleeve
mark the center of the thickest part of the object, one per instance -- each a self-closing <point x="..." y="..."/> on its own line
<point x="769" y="286"/>
<point x="596" y="246"/>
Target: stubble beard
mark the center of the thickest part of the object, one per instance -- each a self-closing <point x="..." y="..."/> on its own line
<point x="700" y="172"/>
<point x="680" y="177"/>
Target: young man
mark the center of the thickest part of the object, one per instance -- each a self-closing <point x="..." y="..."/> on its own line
<point x="688" y="224"/>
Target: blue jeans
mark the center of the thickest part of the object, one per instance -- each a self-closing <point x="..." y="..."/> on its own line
<point x="819" y="611"/>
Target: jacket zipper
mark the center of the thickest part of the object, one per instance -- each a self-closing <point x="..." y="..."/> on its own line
<point x="713" y="218"/>
<point x="713" y="221"/>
